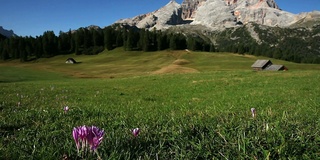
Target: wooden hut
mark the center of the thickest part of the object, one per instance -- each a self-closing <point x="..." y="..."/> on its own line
<point x="261" y="65"/>
<point x="276" y="68"/>
<point x="267" y="65"/>
<point x="71" y="61"/>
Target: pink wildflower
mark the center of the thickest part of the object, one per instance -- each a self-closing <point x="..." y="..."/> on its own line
<point x="66" y="109"/>
<point x="135" y="132"/>
<point x="253" y="112"/>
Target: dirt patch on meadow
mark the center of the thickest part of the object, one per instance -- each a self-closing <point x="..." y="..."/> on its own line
<point x="181" y="62"/>
<point x="176" y="67"/>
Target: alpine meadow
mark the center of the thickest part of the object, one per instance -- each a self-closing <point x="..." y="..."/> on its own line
<point x="198" y="109"/>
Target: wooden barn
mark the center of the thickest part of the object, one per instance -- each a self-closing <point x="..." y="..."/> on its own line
<point x="71" y="61"/>
<point x="267" y="65"/>
<point x="276" y="68"/>
<point x="260" y="65"/>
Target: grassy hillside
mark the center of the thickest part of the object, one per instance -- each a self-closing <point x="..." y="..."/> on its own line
<point x="118" y="63"/>
<point x="202" y="114"/>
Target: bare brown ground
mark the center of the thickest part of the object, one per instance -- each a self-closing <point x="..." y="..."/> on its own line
<point x="181" y="62"/>
<point x="176" y="67"/>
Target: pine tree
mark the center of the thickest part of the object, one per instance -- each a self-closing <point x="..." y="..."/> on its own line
<point x="146" y="42"/>
<point x="142" y="34"/>
<point x="64" y="43"/>
<point x="79" y="41"/>
<point x="97" y="38"/>
<point x="212" y="48"/>
<point x="29" y="46"/>
<point x="4" y="45"/>
<point x="162" y="41"/>
<point x="153" y="40"/>
<point x="181" y="41"/>
<point x="49" y="43"/>
<point x="13" y="49"/>
<point x="173" y="42"/>
<point x="22" y="50"/>
<point x="191" y="44"/>
<point x="108" y="38"/>
<point x="71" y="41"/>
<point x="119" y="38"/>
<point x="38" y="47"/>
<point x="159" y="41"/>
<point x="87" y="42"/>
<point x="130" y="43"/>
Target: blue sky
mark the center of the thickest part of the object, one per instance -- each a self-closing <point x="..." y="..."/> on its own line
<point x="33" y="17"/>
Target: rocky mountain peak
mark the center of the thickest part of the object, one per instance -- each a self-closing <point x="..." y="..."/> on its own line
<point x="252" y="3"/>
<point x="168" y="15"/>
<point x="215" y="14"/>
<point x="228" y="13"/>
<point x="189" y="8"/>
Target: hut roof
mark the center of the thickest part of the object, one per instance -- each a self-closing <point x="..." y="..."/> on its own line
<point x="71" y="60"/>
<point x="260" y="63"/>
<point x="274" y="67"/>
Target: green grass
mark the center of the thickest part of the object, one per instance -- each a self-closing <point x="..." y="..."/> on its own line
<point x="18" y="74"/>
<point x="119" y="64"/>
<point x="203" y="115"/>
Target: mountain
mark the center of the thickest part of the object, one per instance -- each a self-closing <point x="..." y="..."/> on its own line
<point x="307" y="20"/>
<point x="218" y="14"/>
<point x="7" y="33"/>
<point x="229" y="13"/>
<point x="190" y="7"/>
<point x="258" y="27"/>
<point x="162" y="18"/>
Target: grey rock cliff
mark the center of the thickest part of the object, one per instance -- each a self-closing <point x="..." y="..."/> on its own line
<point x="168" y="15"/>
<point x="190" y="7"/>
<point x="307" y="19"/>
<point x="226" y="13"/>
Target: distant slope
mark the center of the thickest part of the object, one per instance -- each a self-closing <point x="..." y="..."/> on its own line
<point x="7" y="33"/>
<point x="307" y="20"/>
<point x="2" y="37"/>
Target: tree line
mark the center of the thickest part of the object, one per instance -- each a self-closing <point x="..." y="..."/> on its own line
<point x="91" y="41"/>
<point x="296" y="45"/>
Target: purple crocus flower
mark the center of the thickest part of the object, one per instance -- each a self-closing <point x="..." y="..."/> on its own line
<point x="75" y="134"/>
<point x="83" y="132"/>
<point x="94" y="137"/>
<point x="66" y="109"/>
<point x="88" y="135"/>
<point x="253" y="112"/>
<point x="135" y="132"/>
